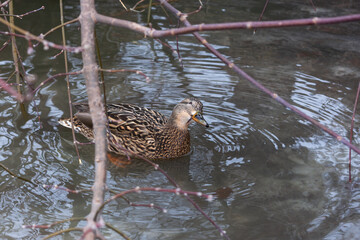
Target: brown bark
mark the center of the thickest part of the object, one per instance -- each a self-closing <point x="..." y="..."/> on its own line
<point x="90" y="71"/>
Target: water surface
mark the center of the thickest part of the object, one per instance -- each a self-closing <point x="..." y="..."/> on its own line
<point x="288" y="179"/>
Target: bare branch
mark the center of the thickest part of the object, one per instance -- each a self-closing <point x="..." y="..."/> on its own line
<point x="24" y="14"/>
<point x="90" y="70"/>
<point x="257" y="84"/>
<point x="46" y="43"/>
<point x="4" y="85"/>
<point x="5" y="3"/>
<point x="177" y="191"/>
<point x="221" y="26"/>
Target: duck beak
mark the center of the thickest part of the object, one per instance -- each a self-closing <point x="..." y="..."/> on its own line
<point x="198" y="117"/>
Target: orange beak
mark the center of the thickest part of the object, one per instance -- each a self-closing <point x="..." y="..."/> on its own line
<point x="198" y="117"/>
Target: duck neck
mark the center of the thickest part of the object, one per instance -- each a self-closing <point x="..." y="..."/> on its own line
<point x="178" y="124"/>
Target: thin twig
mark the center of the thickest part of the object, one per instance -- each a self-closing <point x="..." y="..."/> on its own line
<point x="352" y="127"/>
<point x="14" y="50"/>
<point x="60" y="26"/>
<point x="14" y="175"/>
<point x="136" y="4"/>
<point x="68" y="81"/>
<point x="61" y="232"/>
<point x="18" y="96"/>
<point x="5" y="44"/>
<point x="46" y="43"/>
<point x="172" y="181"/>
<point x="4" y="3"/>
<point x="262" y="13"/>
<point x="222" y="26"/>
<point x="177" y="191"/>
<point x="197" y="10"/>
<point x="54" y="223"/>
<point x="123" y="5"/>
<point x="24" y="14"/>
<point x="257" y="84"/>
<point x="53" y="78"/>
<point x="117" y="231"/>
<point x="312" y="4"/>
<point x="66" y="189"/>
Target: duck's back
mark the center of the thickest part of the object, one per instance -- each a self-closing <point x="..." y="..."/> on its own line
<point x="128" y="119"/>
<point x="134" y="128"/>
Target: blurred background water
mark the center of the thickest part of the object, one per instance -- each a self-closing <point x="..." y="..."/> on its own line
<point x="288" y="179"/>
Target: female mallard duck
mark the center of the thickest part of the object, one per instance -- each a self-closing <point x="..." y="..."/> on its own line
<point x="142" y="131"/>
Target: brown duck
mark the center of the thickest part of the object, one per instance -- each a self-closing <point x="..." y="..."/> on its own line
<point x="143" y="131"/>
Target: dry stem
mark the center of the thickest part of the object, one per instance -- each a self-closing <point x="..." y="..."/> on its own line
<point x="90" y="70"/>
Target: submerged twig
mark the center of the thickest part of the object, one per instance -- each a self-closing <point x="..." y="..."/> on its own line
<point x="14" y="175"/>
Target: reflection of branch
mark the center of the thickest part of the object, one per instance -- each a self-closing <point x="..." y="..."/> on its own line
<point x="53" y="77"/>
<point x="172" y="181"/>
<point x="239" y="71"/>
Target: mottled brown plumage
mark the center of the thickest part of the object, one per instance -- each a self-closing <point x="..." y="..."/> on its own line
<point x="143" y="131"/>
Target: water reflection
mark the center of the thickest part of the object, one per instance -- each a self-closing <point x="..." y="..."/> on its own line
<point x="286" y="179"/>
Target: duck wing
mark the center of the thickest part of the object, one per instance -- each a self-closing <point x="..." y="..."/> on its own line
<point x="134" y="121"/>
<point x="125" y="119"/>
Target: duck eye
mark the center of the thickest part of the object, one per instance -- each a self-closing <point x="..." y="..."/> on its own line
<point x="189" y="102"/>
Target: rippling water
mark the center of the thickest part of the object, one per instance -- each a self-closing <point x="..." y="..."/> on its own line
<point x="288" y="179"/>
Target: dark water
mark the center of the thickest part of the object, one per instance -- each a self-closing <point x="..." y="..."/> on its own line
<point x="288" y="179"/>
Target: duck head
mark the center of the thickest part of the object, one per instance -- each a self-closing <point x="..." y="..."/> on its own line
<point x="185" y="111"/>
